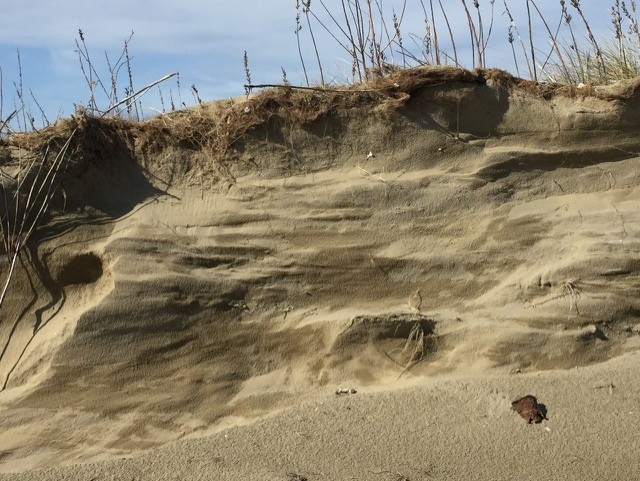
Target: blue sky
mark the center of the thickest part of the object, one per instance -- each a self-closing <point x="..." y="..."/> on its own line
<point x="205" y="41"/>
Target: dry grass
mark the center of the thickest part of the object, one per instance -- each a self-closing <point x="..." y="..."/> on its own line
<point x="566" y="289"/>
<point x="25" y="196"/>
<point x="371" y="34"/>
<point x="214" y="128"/>
<point x="415" y="346"/>
<point x="413" y="352"/>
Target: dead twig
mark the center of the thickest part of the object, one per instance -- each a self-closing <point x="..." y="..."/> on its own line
<point x="136" y="95"/>
<point x="323" y="89"/>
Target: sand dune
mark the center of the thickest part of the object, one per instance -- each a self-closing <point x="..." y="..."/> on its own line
<point x="487" y="249"/>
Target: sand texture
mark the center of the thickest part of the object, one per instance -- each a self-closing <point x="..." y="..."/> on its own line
<point x="443" y="243"/>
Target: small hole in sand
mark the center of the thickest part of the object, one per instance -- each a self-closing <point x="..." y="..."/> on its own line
<point x="82" y="269"/>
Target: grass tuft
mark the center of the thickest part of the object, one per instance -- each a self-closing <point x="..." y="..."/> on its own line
<point x="372" y="34"/>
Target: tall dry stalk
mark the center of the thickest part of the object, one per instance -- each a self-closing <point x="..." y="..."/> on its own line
<point x="375" y="55"/>
<point x="100" y="90"/>
<point x="484" y="39"/>
<point x="90" y="73"/>
<point x="398" y="36"/>
<point x="632" y="18"/>
<point x="576" y="5"/>
<point x="554" y="42"/>
<point x="451" y="36"/>
<point x="247" y="74"/>
<point x="358" y="18"/>
<point x="386" y="36"/>
<point x="306" y="8"/>
<point x="131" y="107"/>
<point x="573" y="46"/>
<point x="514" y="28"/>
<point x="19" y="91"/>
<point x="533" y="50"/>
<point x="429" y="54"/>
<point x="436" y="44"/>
<point x="481" y="54"/>
<point x="616" y="20"/>
<point x="473" y="34"/>
<point x="298" y="29"/>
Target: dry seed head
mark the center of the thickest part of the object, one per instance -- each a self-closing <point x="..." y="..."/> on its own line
<point x="396" y="25"/>
<point x="616" y="19"/>
<point x="565" y="12"/>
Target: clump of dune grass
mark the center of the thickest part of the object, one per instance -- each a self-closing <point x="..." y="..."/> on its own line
<point x="595" y="62"/>
<point x="25" y="197"/>
<point x="372" y="35"/>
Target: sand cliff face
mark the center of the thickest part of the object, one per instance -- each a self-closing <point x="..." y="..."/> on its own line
<point x="472" y="225"/>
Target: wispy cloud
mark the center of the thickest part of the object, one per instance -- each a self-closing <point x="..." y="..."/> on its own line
<point x="160" y="25"/>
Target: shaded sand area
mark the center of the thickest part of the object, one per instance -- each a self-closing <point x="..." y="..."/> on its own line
<point x="441" y="241"/>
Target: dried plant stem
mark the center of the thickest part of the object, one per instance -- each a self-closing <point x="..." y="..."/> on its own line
<point x="5" y="123"/>
<point x="436" y="44"/>
<point x="576" y="4"/>
<point x="480" y="35"/>
<point x="45" y="120"/>
<point x="138" y="94"/>
<point x="328" y="30"/>
<point x="524" y="49"/>
<point x="398" y="39"/>
<point x="384" y="33"/>
<point x="533" y="50"/>
<point x="298" y="28"/>
<point x="375" y="55"/>
<point x="247" y="73"/>
<point x="325" y="89"/>
<point x="359" y="23"/>
<point x="475" y="43"/>
<point x="574" y="44"/>
<point x="16" y="229"/>
<point x="307" y="7"/>
<point x="451" y="36"/>
<point x="633" y="20"/>
<point x="130" y="75"/>
<point x="20" y="92"/>
<point x="485" y="40"/>
<point x="553" y="39"/>
<point x="90" y="74"/>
